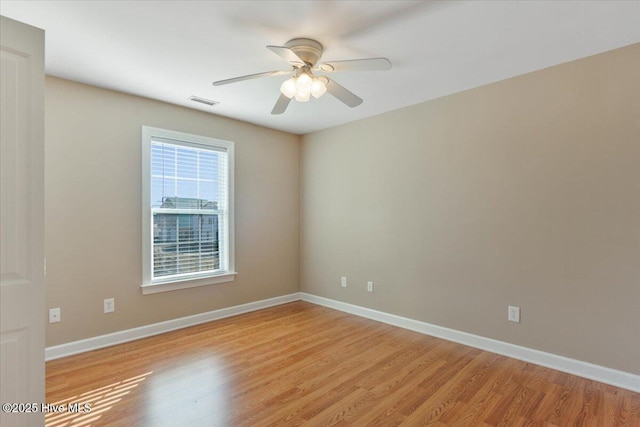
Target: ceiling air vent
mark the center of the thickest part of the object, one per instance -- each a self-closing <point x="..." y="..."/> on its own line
<point x="203" y="101"/>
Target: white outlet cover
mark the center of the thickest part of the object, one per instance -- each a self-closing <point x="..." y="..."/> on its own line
<point x="369" y="286"/>
<point x="343" y="281"/>
<point x="514" y="314"/>
<point x="54" y="315"/>
<point x="109" y="305"/>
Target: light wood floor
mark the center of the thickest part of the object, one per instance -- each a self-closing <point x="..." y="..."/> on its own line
<point x="304" y="364"/>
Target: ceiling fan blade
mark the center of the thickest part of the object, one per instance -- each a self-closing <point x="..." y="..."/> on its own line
<point x="344" y="95"/>
<point x="281" y="105"/>
<point x="369" y="64"/>
<point x="287" y="54"/>
<point x="250" y="76"/>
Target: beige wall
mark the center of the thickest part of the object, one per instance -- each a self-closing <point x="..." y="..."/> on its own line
<point x="93" y="213"/>
<point x="524" y="192"/>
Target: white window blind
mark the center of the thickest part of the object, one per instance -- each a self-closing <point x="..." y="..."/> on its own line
<point x="188" y="209"/>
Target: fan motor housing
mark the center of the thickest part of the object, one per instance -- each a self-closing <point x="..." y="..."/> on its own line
<point x="308" y="50"/>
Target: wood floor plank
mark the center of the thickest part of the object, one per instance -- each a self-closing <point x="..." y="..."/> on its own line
<point x="302" y="364"/>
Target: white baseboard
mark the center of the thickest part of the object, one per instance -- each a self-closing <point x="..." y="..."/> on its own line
<point x="599" y="373"/>
<point x="575" y="367"/>
<point x="75" y="347"/>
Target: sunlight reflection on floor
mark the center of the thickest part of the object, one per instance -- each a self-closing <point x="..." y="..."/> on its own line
<point x="173" y="393"/>
<point x="193" y="393"/>
<point x="100" y="400"/>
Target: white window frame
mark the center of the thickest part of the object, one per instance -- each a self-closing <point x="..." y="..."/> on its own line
<point x="150" y="286"/>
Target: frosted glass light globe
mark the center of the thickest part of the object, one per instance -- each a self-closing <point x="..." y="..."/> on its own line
<point x="318" y="88"/>
<point x="303" y="95"/>
<point x="304" y="82"/>
<point x="288" y="87"/>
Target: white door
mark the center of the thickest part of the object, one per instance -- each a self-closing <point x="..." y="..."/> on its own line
<point x="22" y="306"/>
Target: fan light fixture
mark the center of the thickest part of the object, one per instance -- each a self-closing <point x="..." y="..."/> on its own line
<point x="303" y="85"/>
<point x="303" y="55"/>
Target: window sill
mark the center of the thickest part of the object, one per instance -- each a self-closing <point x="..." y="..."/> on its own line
<point x="154" y="288"/>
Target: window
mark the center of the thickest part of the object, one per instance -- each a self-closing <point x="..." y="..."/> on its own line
<point x="187" y="210"/>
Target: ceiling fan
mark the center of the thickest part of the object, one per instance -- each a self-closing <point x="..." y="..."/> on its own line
<point x="303" y="55"/>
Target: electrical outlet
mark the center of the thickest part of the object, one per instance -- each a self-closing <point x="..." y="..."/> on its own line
<point x="514" y="314"/>
<point x="54" y="315"/>
<point x="369" y="286"/>
<point x="343" y="281"/>
<point x="109" y="305"/>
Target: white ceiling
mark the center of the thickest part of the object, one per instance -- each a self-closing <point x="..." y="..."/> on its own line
<point x="171" y="50"/>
